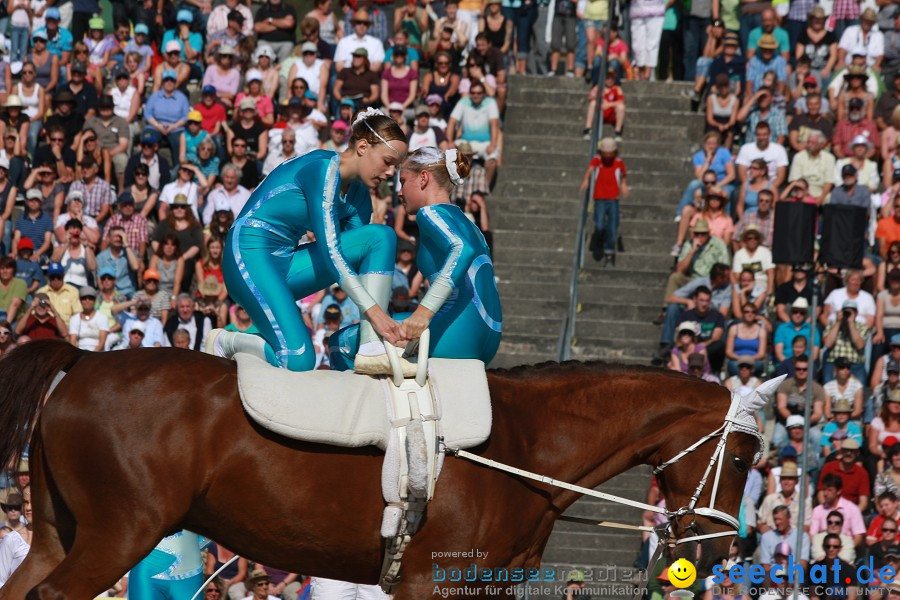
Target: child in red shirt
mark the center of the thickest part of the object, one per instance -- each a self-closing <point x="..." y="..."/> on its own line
<point x="612" y="104"/>
<point x="609" y="186"/>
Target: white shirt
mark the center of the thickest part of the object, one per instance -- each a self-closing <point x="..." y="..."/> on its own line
<point x="122" y="101"/>
<point x="86" y="220"/>
<point x="13" y="550"/>
<point x="307" y="134"/>
<point x="191" y="328"/>
<point x="189" y="189"/>
<point x="273" y="159"/>
<point x="312" y="75"/>
<point x="865" y="304"/>
<point x="153" y="334"/>
<point x="220" y="199"/>
<point x="774" y="155"/>
<point x="852" y="39"/>
<point x="759" y="263"/>
<point x="345" y="48"/>
<point x="420" y="140"/>
<point x="87" y="331"/>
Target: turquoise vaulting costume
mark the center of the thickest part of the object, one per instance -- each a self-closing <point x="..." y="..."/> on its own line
<point x="267" y="272"/>
<point x="462" y="292"/>
<point x="172" y="571"/>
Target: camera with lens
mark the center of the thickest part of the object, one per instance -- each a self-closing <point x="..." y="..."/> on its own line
<point x="43" y="303"/>
<point x="847" y="313"/>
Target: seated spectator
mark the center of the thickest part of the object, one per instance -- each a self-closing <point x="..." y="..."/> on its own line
<point x="782" y="531"/>
<point x="887" y="104"/>
<point x="246" y="163"/>
<point x="134" y="338"/>
<point x="852" y="290"/>
<point x="65" y="120"/>
<point x="887" y="313"/>
<point x="712" y="156"/>
<point x="133" y="223"/>
<point x="40" y="321"/>
<point x="798" y="325"/>
<point x="210" y="283"/>
<point x="855" y="478"/>
<point x="760" y="108"/>
<point x="866" y="36"/>
<point x="746" y="339"/>
<point x="399" y="82"/>
<point x="191" y="136"/>
<point x="140" y="45"/>
<point x="612" y="103"/>
<point x="853" y="125"/>
<point x="212" y="111"/>
<point x="882" y="377"/>
<point x="190" y="43"/>
<point x="746" y="292"/>
<point x="287" y="149"/>
<point x="763" y="61"/>
<point x="276" y="24"/>
<point x="63" y="296"/>
<point x="866" y="168"/>
<point x="798" y="349"/>
<point x="169" y="264"/>
<point x="97" y="193"/>
<point x="713" y="291"/>
<point x="229" y="196"/>
<point x="787" y="496"/>
<point x="852" y="524"/>
<point x="790" y="401"/>
<point x="476" y="120"/>
<point x="686" y="345"/>
<point x="207" y="161"/>
<point x="113" y="135"/>
<point x="855" y="90"/>
<point x="88" y="147"/>
<point x="232" y="36"/>
<point x="35" y="226"/>
<point x="845" y="339"/>
<point x="185" y="228"/>
<point x="89" y="328"/>
<point x="762" y="218"/>
<point x="13" y="291"/>
<point x="75" y="253"/>
<point x="126" y="100"/>
<point x="839" y="421"/>
<point x="112" y="303"/>
<point x="827" y="548"/>
<point x="166" y="110"/>
<point x="858" y="63"/>
<point x="218" y="19"/>
<point x="247" y="127"/>
<point x="713" y="48"/>
<point x="698" y="366"/>
<point x="336" y="295"/>
<point x="120" y="257"/>
<point x="773" y="154"/>
<point x="474" y="71"/>
<point x="314" y="71"/>
<point x="888" y="480"/>
<point x="722" y="109"/>
<point x="424" y="134"/>
<point x="185" y="318"/>
<point x="359" y="39"/>
<point x="886" y="424"/>
<point x="158" y="168"/>
<point x="358" y="82"/>
<point x="28" y="270"/>
<point x="44" y="179"/>
<point x="879" y="551"/>
<point x="188" y="183"/>
<point x="813" y="117"/>
<point x="59" y="39"/>
<point x="730" y="62"/>
<point x="815" y="165"/>
<point x="223" y="76"/>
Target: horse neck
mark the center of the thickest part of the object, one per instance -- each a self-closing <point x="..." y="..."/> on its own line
<point x="586" y="429"/>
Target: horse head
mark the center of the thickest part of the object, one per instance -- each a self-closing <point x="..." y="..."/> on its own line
<point x="705" y="486"/>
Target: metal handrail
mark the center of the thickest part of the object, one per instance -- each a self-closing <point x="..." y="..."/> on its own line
<point x="567" y="336"/>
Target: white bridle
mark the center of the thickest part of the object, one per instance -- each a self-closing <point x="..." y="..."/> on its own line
<point x="741" y="417"/>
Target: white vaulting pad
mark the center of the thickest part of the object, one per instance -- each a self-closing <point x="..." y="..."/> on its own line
<point x="341" y="408"/>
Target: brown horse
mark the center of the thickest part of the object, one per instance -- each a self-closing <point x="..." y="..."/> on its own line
<point x="133" y="445"/>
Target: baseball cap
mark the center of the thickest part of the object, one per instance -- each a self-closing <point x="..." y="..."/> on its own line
<point x="173" y="46"/>
<point x="125" y="197"/>
<point x="842" y="405"/>
<point x="150" y="136"/>
<point x="311" y="95"/>
<point x="236" y="15"/>
<point x="731" y="39"/>
<point x="348" y="102"/>
<point x="79" y="67"/>
<point x="141" y="28"/>
<point x="433" y="99"/>
<point x="848" y="303"/>
<point x="107" y="272"/>
<point x="4" y="163"/>
<point x="254" y="75"/>
<point x="339" y="125"/>
<point x="120" y="71"/>
<point x="309" y="47"/>
<point x="151" y="274"/>
<point x="87" y="291"/>
<point x="838" y="434"/>
<point x="247" y="103"/>
<point x="55" y="268"/>
<point x="225" y="50"/>
<point x="137" y="325"/>
<point x="34" y="193"/>
<point x="333" y="312"/>
<point x="361" y="52"/>
<point x="52" y="13"/>
<point x="105" y="101"/>
<point x="841" y="362"/>
<point x="195" y="115"/>
<point x="850" y="444"/>
<point x="169" y="74"/>
<point x="40" y="34"/>
<point x="423" y="110"/>
<point x="793" y="421"/>
<point x="295" y="101"/>
<point x="788" y="452"/>
<point x="783" y="549"/>
<point x="184" y="16"/>
<point x="395" y="106"/>
<point x="26" y="243"/>
<point x="208" y="89"/>
<point x="893" y="366"/>
<point x="74" y="195"/>
<point x="96" y="23"/>
<point x="892" y="551"/>
<point x="848" y="170"/>
<point x="889" y="441"/>
<point x="810" y="79"/>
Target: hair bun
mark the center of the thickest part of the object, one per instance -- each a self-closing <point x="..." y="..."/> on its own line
<point x="463" y="166"/>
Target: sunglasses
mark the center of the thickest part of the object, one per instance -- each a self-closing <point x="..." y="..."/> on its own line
<point x="798" y="312"/>
<point x="888" y="530"/>
<point x="139" y="174"/>
<point x="4" y="332"/>
<point x="239" y="145"/>
<point x="11" y="507"/>
<point x="832" y="546"/>
<point x="443" y="62"/>
<point x="28" y="71"/>
<point x="799" y="369"/>
<point x="58" y="140"/>
<point x="106" y="278"/>
<point x="835" y="522"/>
<point x="91" y="298"/>
<point x="179" y="207"/>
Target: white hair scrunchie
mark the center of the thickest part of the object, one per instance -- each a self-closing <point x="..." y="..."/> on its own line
<point x="450" y="162"/>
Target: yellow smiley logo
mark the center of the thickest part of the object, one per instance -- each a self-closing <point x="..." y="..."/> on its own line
<point x="682" y="573"/>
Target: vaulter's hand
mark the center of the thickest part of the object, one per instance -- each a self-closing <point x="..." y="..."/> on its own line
<point x="416" y="324"/>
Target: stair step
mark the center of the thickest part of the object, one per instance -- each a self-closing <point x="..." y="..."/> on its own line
<point x="658" y="88"/>
<point x="517" y="219"/>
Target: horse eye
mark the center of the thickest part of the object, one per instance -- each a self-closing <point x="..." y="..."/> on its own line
<point x="740" y="464"/>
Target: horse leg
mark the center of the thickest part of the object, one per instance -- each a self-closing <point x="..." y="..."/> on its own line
<point x="53" y="523"/>
<point x="101" y="554"/>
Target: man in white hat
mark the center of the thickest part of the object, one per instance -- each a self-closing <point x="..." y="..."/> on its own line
<point x="865" y="35"/>
<point x="798" y="325"/>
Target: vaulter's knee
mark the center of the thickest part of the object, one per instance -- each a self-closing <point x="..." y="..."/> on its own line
<point x="383" y="236"/>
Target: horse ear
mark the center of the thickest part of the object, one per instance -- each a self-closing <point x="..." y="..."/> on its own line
<point x="756" y="399"/>
<point x="767" y="389"/>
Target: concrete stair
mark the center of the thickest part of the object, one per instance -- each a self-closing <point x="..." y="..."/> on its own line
<point x="535" y="209"/>
<point x="616" y="305"/>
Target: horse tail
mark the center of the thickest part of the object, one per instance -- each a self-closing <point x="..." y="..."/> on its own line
<point x="27" y="373"/>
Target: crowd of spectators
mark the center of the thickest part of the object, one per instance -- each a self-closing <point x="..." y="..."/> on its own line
<point x="802" y="105"/>
<point x="132" y="139"/>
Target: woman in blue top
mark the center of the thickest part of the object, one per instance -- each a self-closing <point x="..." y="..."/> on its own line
<point x="266" y="271"/>
<point x="462" y="306"/>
